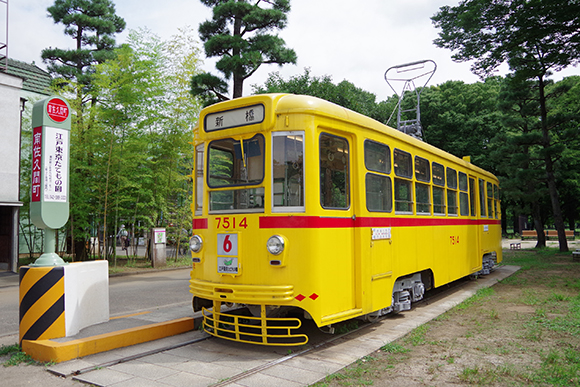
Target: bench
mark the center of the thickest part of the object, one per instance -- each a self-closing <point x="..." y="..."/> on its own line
<point x="529" y="234"/>
<point x="550" y="234"/>
<point x="553" y="234"/>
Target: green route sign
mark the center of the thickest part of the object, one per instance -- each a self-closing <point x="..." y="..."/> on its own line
<point x="49" y="196"/>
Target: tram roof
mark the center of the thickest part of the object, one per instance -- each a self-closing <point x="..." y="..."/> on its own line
<point x="305" y="104"/>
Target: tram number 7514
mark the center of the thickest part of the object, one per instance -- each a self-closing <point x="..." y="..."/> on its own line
<point x="228" y="222"/>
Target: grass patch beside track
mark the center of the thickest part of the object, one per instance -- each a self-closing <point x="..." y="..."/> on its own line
<point x="523" y="331"/>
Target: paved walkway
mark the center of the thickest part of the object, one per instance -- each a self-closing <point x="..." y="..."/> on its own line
<point x="220" y="361"/>
<point x="531" y="243"/>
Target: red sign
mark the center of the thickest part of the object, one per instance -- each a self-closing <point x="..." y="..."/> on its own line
<point x="36" y="163"/>
<point x="57" y="110"/>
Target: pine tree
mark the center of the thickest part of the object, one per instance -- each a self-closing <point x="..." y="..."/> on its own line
<point x="92" y="24"/>
<point x="237" y="34"/>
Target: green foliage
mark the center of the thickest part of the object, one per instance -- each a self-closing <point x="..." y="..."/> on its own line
<point x="534" y="38"/>
<point x="92" y="24"/>
<point x="344" y="94"/>
<point x="131" y="156"/>
<point x="462" y="118"/>
<point x="531" y="36"/>
<point x="238" y="35"/>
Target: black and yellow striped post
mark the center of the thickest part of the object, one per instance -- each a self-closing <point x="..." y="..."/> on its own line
<point x="41" y="303"/>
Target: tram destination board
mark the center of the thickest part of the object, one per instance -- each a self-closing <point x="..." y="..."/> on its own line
<point x="234" y="118"/>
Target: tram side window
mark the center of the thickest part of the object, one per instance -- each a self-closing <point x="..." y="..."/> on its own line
<point x="403" y="165"/>
<point x="422" y="170"/>
<point x="451" y="191"/>
<point x="482" y="197"/>
<point x="199" y="179"/>
<point x="472" y="196"/>
<point x="438" y="174"/>
<point x="438" y="193"/>
<point x="288" y="170"/>
<point x="403" y="196"/>
<point x="463" y="196"/>
<point x="438" y="201"/>
<point x="496" y="201"/>
<point x="334" y="172"/>
<point x="402" y="161"/>
<point x="423" y="198"/>
<point x="379" y="194"/>
<point x="490" y="200"/>
<point x="377" y="157"/>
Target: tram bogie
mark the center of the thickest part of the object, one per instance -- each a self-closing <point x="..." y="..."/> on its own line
<point x="303" y="205"/>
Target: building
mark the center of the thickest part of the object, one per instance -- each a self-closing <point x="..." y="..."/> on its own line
<point x="19" y="82"/>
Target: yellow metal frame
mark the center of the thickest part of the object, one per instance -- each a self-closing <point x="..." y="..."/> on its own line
<point x="254" y="330"/>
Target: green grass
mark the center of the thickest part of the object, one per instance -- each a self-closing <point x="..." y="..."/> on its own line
<point x="534" y="339"/>
<point x="477" y="298"/>
<point x="394" y="348"/>
<point x="16" y="356"/>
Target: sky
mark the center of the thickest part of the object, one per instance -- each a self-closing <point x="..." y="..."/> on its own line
<point x="348" y="40"/>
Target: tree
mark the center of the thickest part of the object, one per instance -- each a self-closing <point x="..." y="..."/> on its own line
<point x="143" y="159"/>
<point x="516" y="152"/>
<point x="237" y="34"/>
<point x="92" y="24"/>
<point x="462" y="118"/>
<point x="344" y="94"/>
<point x="533" y="37"/>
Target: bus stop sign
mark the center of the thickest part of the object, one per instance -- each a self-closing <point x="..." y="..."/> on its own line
<point x="49" y="196"/>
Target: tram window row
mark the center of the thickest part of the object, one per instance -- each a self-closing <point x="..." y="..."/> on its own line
<point x="435" y="190"/>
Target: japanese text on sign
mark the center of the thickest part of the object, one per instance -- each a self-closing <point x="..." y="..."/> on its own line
<point x="234" y="118"/>
<point x="36" y="163"/>
<point x="55" y="157"/>
<point x="57" y="110"/>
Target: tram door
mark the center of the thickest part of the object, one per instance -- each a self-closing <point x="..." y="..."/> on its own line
<point x="473" y="235"/>
<point x="381" y="267"/>
<point x="336" y="199"/>
<point x="379" y="200"/>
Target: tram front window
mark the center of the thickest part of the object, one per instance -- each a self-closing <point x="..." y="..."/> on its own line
<point x="231" y="164"/>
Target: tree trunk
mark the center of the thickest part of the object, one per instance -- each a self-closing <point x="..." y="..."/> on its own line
<point x="554" y="196"/>
<point x="238" y="76"/>
<point x="539" y="226"/>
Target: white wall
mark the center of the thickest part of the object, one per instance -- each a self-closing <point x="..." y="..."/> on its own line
<point x="9" y="136"/>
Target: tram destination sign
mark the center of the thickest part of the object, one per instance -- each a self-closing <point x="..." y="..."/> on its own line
<point x="247" y="115"/>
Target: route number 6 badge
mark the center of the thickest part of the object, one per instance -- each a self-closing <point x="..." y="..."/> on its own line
<point x="227" y="250"/>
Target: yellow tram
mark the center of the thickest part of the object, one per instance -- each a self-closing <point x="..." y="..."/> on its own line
<point x="302" y="205"/>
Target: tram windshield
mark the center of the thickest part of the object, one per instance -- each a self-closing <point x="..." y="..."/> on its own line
<point x="234" y="163"/>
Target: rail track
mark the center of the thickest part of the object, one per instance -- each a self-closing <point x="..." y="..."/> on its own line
<point x="319" y="340"/>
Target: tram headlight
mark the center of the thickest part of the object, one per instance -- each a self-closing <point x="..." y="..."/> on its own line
<point x="275" y="245"/>
<point x="195" y="243"/>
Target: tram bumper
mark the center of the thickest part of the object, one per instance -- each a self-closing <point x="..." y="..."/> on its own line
<point x="260" y="329"/>
<point x="256" y="326"/>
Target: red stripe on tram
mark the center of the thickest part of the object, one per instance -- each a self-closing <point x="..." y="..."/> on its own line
<point x="320" y="222"/>
<point x="304" y="222"/>
<point x="200" y="224"/>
